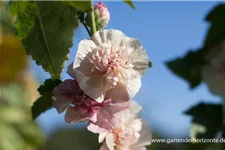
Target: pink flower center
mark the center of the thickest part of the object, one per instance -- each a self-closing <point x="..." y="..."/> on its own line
<point x="113" y="63"/>
<point x="85" y="104"/>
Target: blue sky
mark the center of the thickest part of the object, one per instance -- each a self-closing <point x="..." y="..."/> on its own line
<point x="166" y="30"/>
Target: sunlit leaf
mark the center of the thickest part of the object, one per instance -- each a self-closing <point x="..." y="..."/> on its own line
<point x="52" y="35"/>
<point x="26" y="14"/>
<point x="84" y="6"/>
<point x="130" y="3"/>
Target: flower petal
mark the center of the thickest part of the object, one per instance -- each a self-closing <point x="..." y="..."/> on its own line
<point x="60" y="103"/>
<point x="73" y="115"/>
<point x="145" y="134"/>
<point x="118" y="94"/>
<point x="138" y="56"/>
<point x="112" y="36"/>
<point x="109" y="141"/>
<point x="133" y="86"/>
<point x="70" y="71"/>
<point x="135" y="108"/>
<point x="63" y="94"/>
<point x="93" y="86"/>
<point x="93" y="127"/>
<point x="109" y="117"/>
<point x="102" y="136"/>
<point x="84" y="47"/>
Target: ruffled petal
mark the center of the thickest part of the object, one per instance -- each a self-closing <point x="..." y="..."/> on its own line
<point x="73" y="115"/>
<point x="70" y="71"/>
<point x="133" y="86"/>
<point x="95" y="128"/>
<point x="135" y="109"/>
<point x="118" y="94"/>
<point x="109" y="140"/>
<point x="102" y="136"/>
<point x="60" y="103"/>
<point x="138" y="55"/>
<point x="92" y="86"/>
<point x="64" y="94"/>
<point x="109" y="117"/>
<point x="145" y="134"/>
<point x="84" y="48"/>
<point x="112" y="36"/>
<point x="90" y="83"/>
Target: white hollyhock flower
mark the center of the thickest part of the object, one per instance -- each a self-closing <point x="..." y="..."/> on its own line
<point x="214" y="73"/>
<point x="111" y="64"/>
<point x="132" y="134"/>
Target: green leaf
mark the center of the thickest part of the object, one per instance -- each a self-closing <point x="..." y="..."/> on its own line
<point x="26" y="14"/>
<point x="188" y="67"/>
<point x="207" y="120"/>
<point x="44" y="102"/>
<point x="149" y="64"/>
<point x="216" y="32"/>
<point x="84" y="6"/>
<point x="130" y="3"/>
<point x="217" y="15"/>
<point x="50" y="39"/>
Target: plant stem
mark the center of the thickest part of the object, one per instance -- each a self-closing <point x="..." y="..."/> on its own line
<point x="93" y="25"/>
<point x="88" y="31"/>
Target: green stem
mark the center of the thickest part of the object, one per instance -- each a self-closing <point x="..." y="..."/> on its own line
<point x="88" y="31"/>
<point x="93" y="25"/>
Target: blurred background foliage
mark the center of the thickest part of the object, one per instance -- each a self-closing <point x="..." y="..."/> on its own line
<point x="18" y="91"/>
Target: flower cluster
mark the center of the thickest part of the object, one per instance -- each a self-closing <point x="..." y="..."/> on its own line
<point x="106" y="73"/>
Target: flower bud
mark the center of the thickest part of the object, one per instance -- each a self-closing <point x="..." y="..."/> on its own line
<point x="102" y="15"/>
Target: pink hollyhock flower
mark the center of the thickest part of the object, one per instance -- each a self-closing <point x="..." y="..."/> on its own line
<point x="81" y="107"/>
<point x="102" y="15"/>
<point x="110" y="64"/>
<point x="132" y="134"/>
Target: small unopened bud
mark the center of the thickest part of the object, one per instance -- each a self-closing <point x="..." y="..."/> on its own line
<point x="102" y="15"/>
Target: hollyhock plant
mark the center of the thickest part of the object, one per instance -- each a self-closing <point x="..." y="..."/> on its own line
<point x="110" y="64"/>
<point x="132" y="134"/>
<point x="81" y="107"/>
<point x="214" y="73"/>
